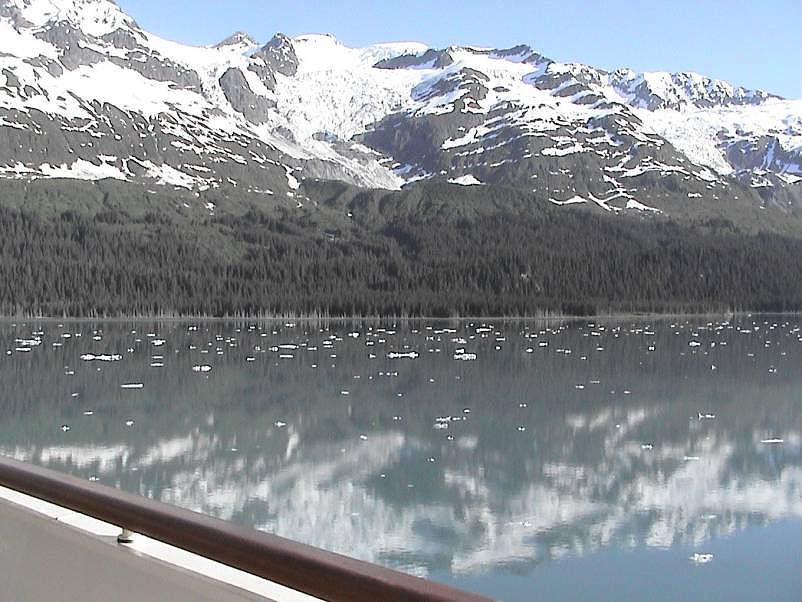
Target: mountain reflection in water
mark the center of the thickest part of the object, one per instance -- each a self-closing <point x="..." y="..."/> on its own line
<point x="560" y="438"/>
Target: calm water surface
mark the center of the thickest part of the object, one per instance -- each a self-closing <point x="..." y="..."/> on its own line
<point x="526" y="460"/>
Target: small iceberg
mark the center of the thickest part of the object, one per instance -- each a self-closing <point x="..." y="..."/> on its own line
<point x="89" y="357"/>
<point x="701" y="558"/>
<point x="396" y="356"/>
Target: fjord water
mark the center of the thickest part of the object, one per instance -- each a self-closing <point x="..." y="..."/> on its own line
<point x="525" y="460"/>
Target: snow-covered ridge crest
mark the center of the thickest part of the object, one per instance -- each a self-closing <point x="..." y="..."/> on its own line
<point x="662" y="90"/>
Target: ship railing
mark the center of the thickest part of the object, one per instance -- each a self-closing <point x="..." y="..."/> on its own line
<point x="319" y="573"/>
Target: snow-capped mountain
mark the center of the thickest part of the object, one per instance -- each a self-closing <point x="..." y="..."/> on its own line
<point x="86" y="93"/>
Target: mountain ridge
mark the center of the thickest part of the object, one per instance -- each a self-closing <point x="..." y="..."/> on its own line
<point x="111" y="100"/>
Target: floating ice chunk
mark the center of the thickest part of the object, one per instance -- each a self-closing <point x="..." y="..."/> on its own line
<point x="701" y="558"/>
<point x="394" y="356"/>
<point x="88" y="357"/>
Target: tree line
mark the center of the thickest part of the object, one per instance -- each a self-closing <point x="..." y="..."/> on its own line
<point x="566" y="262"/>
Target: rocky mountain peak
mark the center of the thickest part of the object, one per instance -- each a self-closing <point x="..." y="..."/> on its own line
<point x="279" y="55"/>
<point x="238" y="40"/>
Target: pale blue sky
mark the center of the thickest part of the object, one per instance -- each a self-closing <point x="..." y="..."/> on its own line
<point x="754" y="43"/>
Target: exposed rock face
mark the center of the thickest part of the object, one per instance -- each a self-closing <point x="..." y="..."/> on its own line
<point x="431" y="59"/>
<point x="255" y="108"/>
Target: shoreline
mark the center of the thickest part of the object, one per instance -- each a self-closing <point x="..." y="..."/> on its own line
<point x="308" y="318"/>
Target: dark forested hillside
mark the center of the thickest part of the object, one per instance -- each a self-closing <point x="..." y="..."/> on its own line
<point x="574" y="262"/>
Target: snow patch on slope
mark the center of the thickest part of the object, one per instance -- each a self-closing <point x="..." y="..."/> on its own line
<point x="83" y="170"/>
<point x="22" y="43"/>
<point x="468" y="180"/>
<point x="93" y="17"/>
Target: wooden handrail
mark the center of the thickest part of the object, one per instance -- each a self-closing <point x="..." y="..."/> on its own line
<point x="300" y="567"/>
